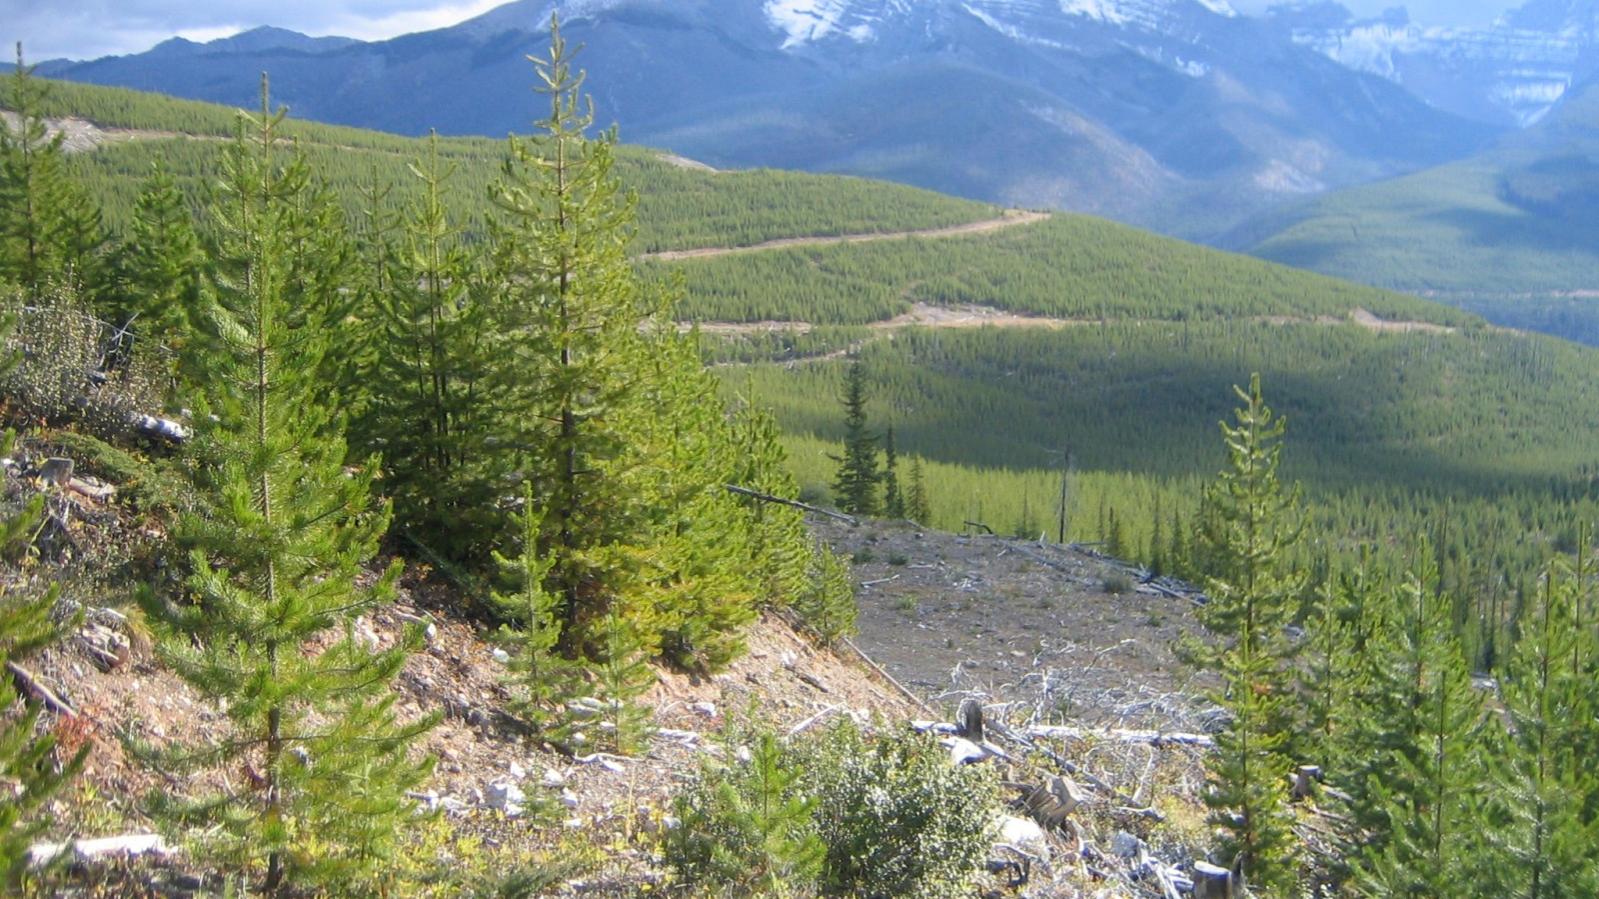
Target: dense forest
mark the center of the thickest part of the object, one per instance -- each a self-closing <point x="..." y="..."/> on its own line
<point x="353" y="345"/>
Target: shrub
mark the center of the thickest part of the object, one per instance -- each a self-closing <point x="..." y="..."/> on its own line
<point x="845" y="814"/>
<point x="1117" y="583"/>
<point x="747" y="828"/>
<point x="65" y="373"/>
<point x="897" y="818"/>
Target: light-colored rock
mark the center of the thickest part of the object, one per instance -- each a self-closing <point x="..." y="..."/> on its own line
<point x="554" y="778"/>
<point x="1125" y="844"/>
<point x="501" y="656"/>
<point x="505" y="796"/>
<point x="963" y="751"/>
<point x="703" y="709"/>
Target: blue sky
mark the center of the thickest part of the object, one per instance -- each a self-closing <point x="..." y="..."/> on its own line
<point x="85" y="29"/>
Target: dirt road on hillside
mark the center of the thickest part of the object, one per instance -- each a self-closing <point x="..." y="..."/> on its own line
<point x="1010" y="219"/>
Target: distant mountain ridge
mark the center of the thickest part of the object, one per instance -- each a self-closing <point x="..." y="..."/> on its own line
<point x="1512" y="72"/>
<point x="1179" y="115"/>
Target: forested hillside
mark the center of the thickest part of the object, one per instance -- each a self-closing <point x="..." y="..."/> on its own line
<point x="319" y="361"/>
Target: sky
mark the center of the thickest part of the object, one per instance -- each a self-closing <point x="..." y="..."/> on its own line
<point x="86" y="29"/>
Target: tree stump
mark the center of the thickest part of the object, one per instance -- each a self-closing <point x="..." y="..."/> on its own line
<point x="1213" y="882"/>
<point x="969" y="720"/>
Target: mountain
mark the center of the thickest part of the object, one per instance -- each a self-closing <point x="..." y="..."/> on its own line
<point x="1511" y="73"/>
<point x="1511" y="234"/>
<point x="1174" y="114"/>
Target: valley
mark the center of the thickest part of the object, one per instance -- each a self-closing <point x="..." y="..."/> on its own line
<point x="663" y="525"/>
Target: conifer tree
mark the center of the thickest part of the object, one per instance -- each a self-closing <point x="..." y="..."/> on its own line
<point x="893" y="498"/>
<point x="425" y="359"/>
<point x="544" y="680"/>
<point x="749" y="828"/>
<point x="1543" y="785"/>
<point x="1249" y="521"/>
<point x="828" y="608"/>
<point x="622" y="674"/>
<point x="49" y="230"/>
<point x="159" y="267"/>
<point x="855" y="486"/>
<point x="568" y="313"/>
<point x="916" y="503"/>
<point x="1427" y="841"/>
<point x="696" y="579"/>
<point x="779" y="544"/>
<point x="275" y="549"/>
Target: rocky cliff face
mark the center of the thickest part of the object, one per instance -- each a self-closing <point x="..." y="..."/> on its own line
<point x="1512" y="72"/>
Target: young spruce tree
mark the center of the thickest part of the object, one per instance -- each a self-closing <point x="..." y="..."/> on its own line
<point x="266" y="624"/>
<point x="1249" y="521"/>
<point x="855" y="486"/>
<point x="568" y="350"/>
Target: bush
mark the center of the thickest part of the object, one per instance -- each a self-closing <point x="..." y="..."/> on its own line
<point x="897" y="818"/>
<point x="1117" y="583"/>
<point x="844" y="815"/>
<point x="65" y="372"/>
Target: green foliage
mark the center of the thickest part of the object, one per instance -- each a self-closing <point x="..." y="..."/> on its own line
<point x="747" y="827"/>
<point x="828" y="607"/>
<point x="567" y="314"/>
<point x="28" y="759"/>
<point x="49" y="231"/>
<point x="542" y="678"/>
<point x="1247" y="521"/>
<point x="1543" y="789"/>
<point x="158" y="267"/>
<point x="897" y="818"/>
<point x="893" y="496"/>
<point x="621" y="675"/>
<point x="1430" y="839"/>
<point x="275" y="549"/>
<point x="425" y="352"/>
<point x="855" y="486"/>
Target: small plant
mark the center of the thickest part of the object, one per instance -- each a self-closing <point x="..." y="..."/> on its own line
<point x="897" y="818"/>
<point x="747" y="826"/>
<point x="828" y="607"/>
<point x="1117" y="583"/>
<point x="864" y="556"/>
<point x="898" y="560"/>
<point x="906" y="603"/>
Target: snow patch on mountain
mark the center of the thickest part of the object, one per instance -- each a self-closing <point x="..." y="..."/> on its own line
<point x="1219" y="7"/>
<point x="1108" y="11"/>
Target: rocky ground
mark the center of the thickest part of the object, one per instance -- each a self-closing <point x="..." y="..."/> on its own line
<point x="1028" y="631"/>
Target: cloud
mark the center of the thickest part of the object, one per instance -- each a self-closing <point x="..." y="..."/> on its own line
<point x="86" y="29"/>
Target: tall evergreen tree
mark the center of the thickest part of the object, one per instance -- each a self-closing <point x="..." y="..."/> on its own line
<point x="267" y="621"/>
<point x="1542" y="786"/>
<point x="1428" y="839"/>
<point x="893" y="497"/>
<point x="916" y="503"/>
<point x="855" y="486"/>
<point x="425" y="360"/>
<point x="49" y="230"/>
<point x="568" y="314"/>
<point x="1249" y="523"/>
<point x="159" y="267"/>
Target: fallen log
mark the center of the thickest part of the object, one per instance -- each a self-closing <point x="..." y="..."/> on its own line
<point x="769" y="498"/>
<point x="32" y="686"/>
<point x="1145" y="737"/>
<point x="159" y="428"/>
<point x="86" y="851"/>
